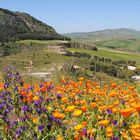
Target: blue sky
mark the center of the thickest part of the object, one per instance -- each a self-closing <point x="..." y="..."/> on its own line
<point x="80" y="15"/>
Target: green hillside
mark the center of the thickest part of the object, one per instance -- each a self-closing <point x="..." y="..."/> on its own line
<point x="124" y="44"/>
<point x="20" y="26"/>
<point x="109" y="34"/>
<point x="123" y="38"/>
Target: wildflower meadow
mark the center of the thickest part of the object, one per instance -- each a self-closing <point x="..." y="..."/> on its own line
<point x="70" y="110"/>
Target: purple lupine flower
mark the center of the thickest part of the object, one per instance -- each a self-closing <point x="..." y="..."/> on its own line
<point x="36" y="103"/>
<point x="18" y="132"/>
<point x="23" y="128"/>
<point x="59" y="122"/>
<point x="41" y="99"/>
<point x="31" y="88"/>
<point x="84" y="131"/>
<point x="23" y="118"/>
<point x="122" y="102"/>
<point x="8" y="92"/>
<point x="52" y="118"/>
<point x="16" y="88"/>
<point x="49" y="126"/>
<point x="91" y="138"/>
<point x="24" y="108"/>
<point x="10" y="107"/>
<point x="29" y="109"/>
<point x="41" y="127"/>
<point x="67" y="82"/>
<point x="9" y="99"/>
<point x="10" y="75"/>
<point x="3" y="118"/>
<point x="59" y="96"/>
<point x="21" y="83"/>
<point x="17" y="73"/>
<point x="3" y="103"/>
<point x="49" y="99"/>
<point x="50" y="87"/>
<point x="114" y="122"/>
<point x="53" y="138"/>
<point x="1" y="107"/>
<point x="44" y="109"/>
<point x="39" y="111"/>
<point x="6" y="111"/>
<point x="108" y="111"/>
<point x="1" y="96"/>
<point x="6" y="85"/>
<point x="12" y="125"/>
<point x="115" y="138"/>
<point x="41" y="85"/>
<point x="124" y="124"/>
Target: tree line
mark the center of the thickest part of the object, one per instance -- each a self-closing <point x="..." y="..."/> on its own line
<point x="115" y="68"/>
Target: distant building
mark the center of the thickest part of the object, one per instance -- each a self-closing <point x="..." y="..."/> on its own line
<point x="131" y="68"/>
<point x="57" y="48"/>
<point x="136" y="78"/>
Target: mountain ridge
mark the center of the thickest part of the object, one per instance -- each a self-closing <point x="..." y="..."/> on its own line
<point x="120" y="33"/>
<point x="21" y="25"/>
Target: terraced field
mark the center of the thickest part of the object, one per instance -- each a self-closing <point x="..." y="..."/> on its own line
<point x="110" y="54"/>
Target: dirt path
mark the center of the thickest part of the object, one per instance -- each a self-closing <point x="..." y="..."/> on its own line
<point x="18" y="59"/>
<point x="39" y="74"/>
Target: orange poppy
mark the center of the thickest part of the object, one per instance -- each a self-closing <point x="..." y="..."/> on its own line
<point x="127" y="112"/>
<point x="109" y="132"/>
<point x="104" y="122"/>
<point x="58" y="115"/>
<point x="84" y="108"/>
<point x="23" y="93"/>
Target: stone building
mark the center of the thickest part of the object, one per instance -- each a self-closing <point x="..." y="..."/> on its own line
<point x="57" y="48"/>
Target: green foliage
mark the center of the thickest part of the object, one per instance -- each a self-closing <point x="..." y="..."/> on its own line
<point x="21" y="26"/>
<point x="111" y="70"/>
<point x="110" y="54"/>
<point x="113" y="67"/>
<point x="9" y="48"/>
<point x="74" y="44"/>
<point x="127" y="40"/>
<point x="78" y="54"/>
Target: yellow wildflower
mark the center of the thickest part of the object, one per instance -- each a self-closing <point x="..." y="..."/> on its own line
<point x="78" y="127"/>
<point x="35" y="120"/>
<point x="77" y="112"/>
<point x="109" y="132"/>
<point x="70" y="108"/>
<point x="104" y="122"/>
<point x="36" y="98"/>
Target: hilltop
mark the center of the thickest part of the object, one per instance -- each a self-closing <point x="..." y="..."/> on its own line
<point x="20" y="26"/>
<point x="108" y="34"/>
<point x="121" y="39"/>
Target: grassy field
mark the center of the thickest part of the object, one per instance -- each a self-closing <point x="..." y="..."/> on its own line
<point x="42" y="41"/>
<point x="110" y="54"/>
<point x="123" y="44"/>
<point x="43" y="61"/>
<point x="115" y="43"/>
<point x="48" y="61"/>
<point x="117" y="38"/>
